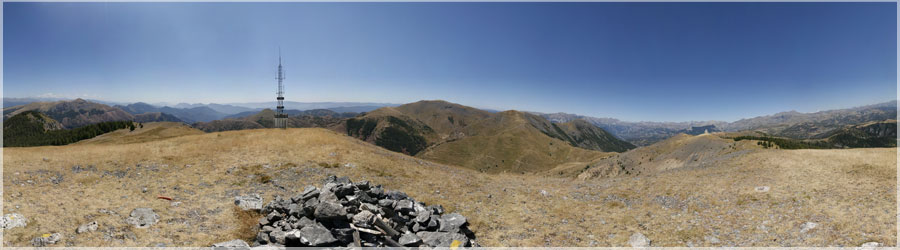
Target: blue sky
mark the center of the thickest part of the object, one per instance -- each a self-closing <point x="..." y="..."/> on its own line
<point x="632" y="61"/>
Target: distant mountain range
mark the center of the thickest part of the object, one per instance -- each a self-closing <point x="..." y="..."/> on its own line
<point x="193" y="113"/>
<point x="79" y="112"/>
<point x="790" y="124"/>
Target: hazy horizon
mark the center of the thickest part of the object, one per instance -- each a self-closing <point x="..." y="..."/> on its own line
<point x="287" y="107"/>
<point x="665" y="62"/>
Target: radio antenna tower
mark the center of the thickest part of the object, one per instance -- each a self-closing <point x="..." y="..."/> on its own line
<point x="280" y="116"/>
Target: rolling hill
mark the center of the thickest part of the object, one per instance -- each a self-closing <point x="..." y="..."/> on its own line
<point x="492" y="142"/>
<point x="32" y="128"/>
<point x="188" y="115"/>
<point x="265" y="119"/>
<point x="145" y="132"/>
<point x="866" y="135"/>
<point x="79" y="112"/>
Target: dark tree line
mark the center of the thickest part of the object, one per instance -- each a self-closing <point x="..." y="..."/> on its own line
<point x="784" y="143"/>
<point x="23" y="131"/>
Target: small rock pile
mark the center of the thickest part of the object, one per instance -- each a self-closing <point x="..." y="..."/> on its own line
<point x="345" y="213"/>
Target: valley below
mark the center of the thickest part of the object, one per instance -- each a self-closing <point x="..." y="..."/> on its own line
<point x="698" y="191"/>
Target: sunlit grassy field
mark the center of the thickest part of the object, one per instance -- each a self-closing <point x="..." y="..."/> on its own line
<point x="850" y="194"/>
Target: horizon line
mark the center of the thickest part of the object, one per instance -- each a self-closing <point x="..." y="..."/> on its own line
<point x="388" y="104"/>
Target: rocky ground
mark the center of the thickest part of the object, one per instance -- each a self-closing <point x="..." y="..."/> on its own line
<point x="180" y="192"/>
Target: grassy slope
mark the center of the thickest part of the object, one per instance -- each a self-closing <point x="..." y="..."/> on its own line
<point x="151" y="131"/>
<point x="507" y="142"/>
<point x="850" y="193"/>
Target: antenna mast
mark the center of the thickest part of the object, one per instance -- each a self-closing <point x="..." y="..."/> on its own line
<point x="280" y="116"/>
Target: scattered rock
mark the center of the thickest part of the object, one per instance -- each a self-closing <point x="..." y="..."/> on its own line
<point x="410" y="240"/>
<point x="808" y="226"/>
<point x="871" y="244"/>
<point x="12" y="221"/>
<point x="249" y="202"/>
<point x="343" y="211"/>
<point x="330" y="211"/>
<point x="87" y="227"/>
<point x="451" y="222"/>
<point x="638" y="240"/>
<point x="46" y="240"/>
<point x="441" y="239"/>
<point x="544" y="193"/>
<point x="231" y="245"/>
<point x="142" y="217"/>
<point x="316" y="235"/>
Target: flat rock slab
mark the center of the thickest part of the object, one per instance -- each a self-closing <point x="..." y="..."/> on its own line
<point x="638" y="240"/>
<point x="87" y="227"/>
<point x="142" y="217"/>
<point x="46" y="240"/>
<point x="13" y="221"/>
<point x="316" y="235"/>
<point x="231" y="245"/>
<point x="442" y="239"/>
<point x="249" y="202"/>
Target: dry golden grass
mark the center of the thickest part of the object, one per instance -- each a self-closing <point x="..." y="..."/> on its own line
<point x="850" y="193"/>
<point x="150" y="132"/>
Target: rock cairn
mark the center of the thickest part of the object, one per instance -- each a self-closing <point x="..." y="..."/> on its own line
<point x="345" y="213"/>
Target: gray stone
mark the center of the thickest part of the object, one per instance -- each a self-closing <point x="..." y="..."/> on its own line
<point x="330" y="211"/>
<point x="364" y="197"/>
<point x="376" y="192"/>
<point x="262" y="237"/>
<point x="303" y="222"/>
<point x="441" y="239"/>
<point x="273" y="216"/>
<point x="87" y="227"/>
<point x="409" y="239"/>
<point x="292" y="237"/>
<point x="268" y="247"/>
<point x="871" y="244"/>
<point x="369" y="207"/>
<point x="231" y="245"/>
<point x="403" y="206"/>
<point x="437" y="209"/>
<point x="638" y="240"/>
<point x="397" y="195"/>
<point x="308" y="193"/>
<point x="806" y="227"/>
<point x="327" y="196"/>
<point x="386" y="203"/>
<point x="362" y="185"/>
<point x="363" y="219"/>
<point x="277" y="236"/>
<point x="295" y="210"/>
<point x="13" y="220"/>
<point x="451" y="222"/>
<point x="46" y="240"/>
<point x="142" y="217"/>
<point x="249" y="202"/>
<point x="343" y="190"/>
<point x="316" y="235"/>
<point x="423" y="216"/>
